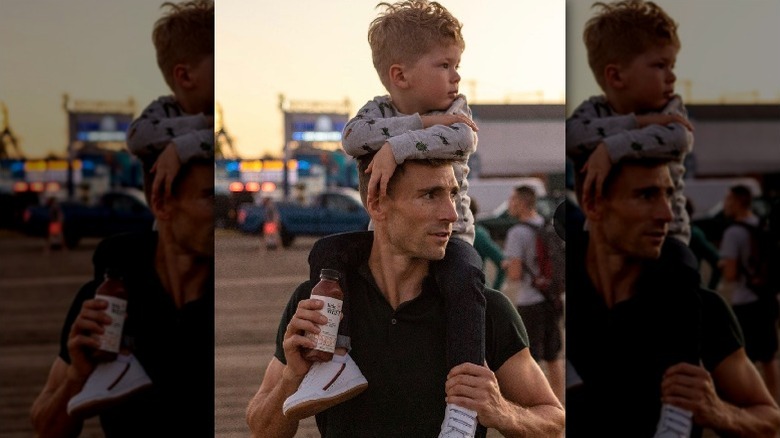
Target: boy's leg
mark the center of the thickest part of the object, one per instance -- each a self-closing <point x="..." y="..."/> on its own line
<point x="461" y="280"/>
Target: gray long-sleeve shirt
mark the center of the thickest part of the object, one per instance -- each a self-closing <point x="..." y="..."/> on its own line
<point x="163" y="121"/>
<point x="378" y="121"/>
<point x="595" y="122"/>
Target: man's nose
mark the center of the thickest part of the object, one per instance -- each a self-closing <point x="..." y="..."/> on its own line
<point x="663" y="211"/>
<point x="447" y="211"/>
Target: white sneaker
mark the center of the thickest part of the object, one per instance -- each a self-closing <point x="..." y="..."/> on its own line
<point x="674" y="422"/>
<point x="109" y="384"/>
<point x="458" y="422"/>
<point x="325" y="385"/>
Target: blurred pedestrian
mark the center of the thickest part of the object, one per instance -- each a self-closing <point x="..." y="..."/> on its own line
<point x="55" y="236"/>
<point x="488" y="249"/>
<point x="271" y="225"/>
<point x="541" y="314"/>
<point x="757" y="312"/>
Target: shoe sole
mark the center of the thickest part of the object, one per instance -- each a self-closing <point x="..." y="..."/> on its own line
<point x="95" y="407"/>
<point x="313" y="407"/>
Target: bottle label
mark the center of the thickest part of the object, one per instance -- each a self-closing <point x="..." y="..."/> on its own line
<point x="326" y="338"/>
<point x="117" y="310"/>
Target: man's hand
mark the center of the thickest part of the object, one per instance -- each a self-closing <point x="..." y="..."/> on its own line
<point x="84" y="337"/>
<point x="165" y="169"/>
<point x="448" y="120"/>
<point x="663" y="120"/>
<point x="596" y="170"/>
<point x="306" y="319"/>
<point x="381" y="169"/>
<point x="475" y="387"/>
<point x="691" y="387"/>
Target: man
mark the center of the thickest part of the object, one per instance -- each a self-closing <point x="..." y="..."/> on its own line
<point x="757" y="314"/>
<point x="398" y="337"/>
<point x="169" y="276"/>
<point x="641" y="332"/>
<point x="540" y="315"/>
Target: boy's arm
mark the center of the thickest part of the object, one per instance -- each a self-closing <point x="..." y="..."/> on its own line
<point x="664" y="135"/>
<point x="377" y="123"/>
<point x="162" y="122"/>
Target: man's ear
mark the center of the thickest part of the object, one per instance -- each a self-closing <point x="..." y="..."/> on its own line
<point x="377" y="207"/>
<point x="161" y="206"/>
<point x="398" y="76"/>
<point x="181" y="75"/>
<point x="613" y="76"/>
<point x="592" y="206"/>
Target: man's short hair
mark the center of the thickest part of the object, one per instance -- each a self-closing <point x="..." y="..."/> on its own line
<point x="615" y="170"/>
<point x="185" y="34"/>
<point x="742" y="194"/>
<point x="624" y="30"/>
<point x="527" y="195"/>
<point x="363" y="178"/>
<point x="407" y="30"/>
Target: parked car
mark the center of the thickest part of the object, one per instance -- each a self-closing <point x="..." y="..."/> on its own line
<point x="336" y="210"/>
<point x="117" y="211"/>
<point x="499" y="221"/>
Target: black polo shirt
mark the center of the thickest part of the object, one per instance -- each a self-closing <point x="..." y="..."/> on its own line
<point x="401" y="353"/>
<point x="175" y="346"/>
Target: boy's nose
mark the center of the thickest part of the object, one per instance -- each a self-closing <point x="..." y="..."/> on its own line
<point x="456" y="77"/>
<point x="671" y="78"/>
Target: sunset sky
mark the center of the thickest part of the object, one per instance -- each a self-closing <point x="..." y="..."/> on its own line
<point x="313" y="50"/>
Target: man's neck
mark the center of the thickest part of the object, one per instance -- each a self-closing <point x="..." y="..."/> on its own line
<point x="613" y="275"/>
<point x="183" y="276"/>
<point x="398" y="276"/>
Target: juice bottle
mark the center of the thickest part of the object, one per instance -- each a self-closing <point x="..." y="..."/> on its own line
<point x="329" y="292"/>
<point x="113" y="291"/>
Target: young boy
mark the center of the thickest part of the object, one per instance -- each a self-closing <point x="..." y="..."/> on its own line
<point x="416" y="48"/>
<point x="169" y="132"/>
<point x="632" y="47"/>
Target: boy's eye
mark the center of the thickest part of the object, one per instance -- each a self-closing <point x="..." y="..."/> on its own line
<point x="445" y="65"/>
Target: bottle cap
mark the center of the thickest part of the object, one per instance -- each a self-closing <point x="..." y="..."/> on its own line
<point x="330" y="274"/>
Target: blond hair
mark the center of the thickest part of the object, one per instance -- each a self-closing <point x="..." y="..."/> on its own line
<point x="624" y="30"/>
<point x="407" y="30"/>
<point x="185" y="34"/>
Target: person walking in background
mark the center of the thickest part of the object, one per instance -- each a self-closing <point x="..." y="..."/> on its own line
<point x="488" y="249"/>
<point x="542" y="314"/>
<point x="271" y="225"/>
<point x="757" y="312"/>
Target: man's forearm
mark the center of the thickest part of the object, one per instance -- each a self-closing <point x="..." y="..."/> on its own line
<point x="543" y="421"/>
<point x="49" y="415"/>
<point x="264" y="414"/>
<point x="753" y="422"/>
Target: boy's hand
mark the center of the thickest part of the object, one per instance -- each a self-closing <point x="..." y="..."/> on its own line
<point x="596" y="170"/>
<point x="381" y="169"/>
<point x="663" y="119"/>
<point x="165" y="169"/>
<point x="448" y="120"/>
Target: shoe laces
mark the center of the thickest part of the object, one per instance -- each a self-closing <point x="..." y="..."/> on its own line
<point x="460" y="421"/>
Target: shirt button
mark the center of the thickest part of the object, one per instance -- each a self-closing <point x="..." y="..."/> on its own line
<point x="393" y="321"/>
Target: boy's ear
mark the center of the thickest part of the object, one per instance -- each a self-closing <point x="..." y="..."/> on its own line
<point x="613" y="76"/>
<point x="398" y="76"/>
<point x="181" y="75"/>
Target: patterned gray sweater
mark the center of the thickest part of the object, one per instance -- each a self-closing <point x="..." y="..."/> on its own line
<point x="164" y="121"/>
<point x="379" y="122"/>
<point x="595" y="122"/>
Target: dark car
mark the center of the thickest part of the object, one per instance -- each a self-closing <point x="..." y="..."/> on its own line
<point x="335" y="210"/>
<point x="116" y="211"/>
<point x="500" y="221"/>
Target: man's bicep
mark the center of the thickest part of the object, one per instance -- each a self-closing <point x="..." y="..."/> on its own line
<point x="523" y="382"/>
<point x="738" y="382"/>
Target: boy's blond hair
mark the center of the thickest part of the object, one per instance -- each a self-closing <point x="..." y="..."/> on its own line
<point x="407" y="30"/>
<point x="184" y="35"/>
<point x="624" y="30"/>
